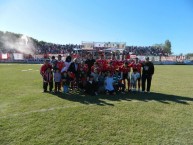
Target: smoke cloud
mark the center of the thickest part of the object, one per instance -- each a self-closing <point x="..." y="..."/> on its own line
<point x="22" y="44"/>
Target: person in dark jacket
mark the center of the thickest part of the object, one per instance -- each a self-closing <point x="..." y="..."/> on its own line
<point x="91" y="86"/>
<point x="147" y="73"/>
<point x="90" y="62"/>
<point x="74" y="69"/>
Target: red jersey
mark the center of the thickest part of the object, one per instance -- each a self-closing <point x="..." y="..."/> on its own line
<point x="44" y="67"/>
<point x="111" y="68"/>
<point x="137" y="66"/>
<point x="101" y="61"/>
<point x="48" y="77"/>
<point x="60" y="65"/>
<point x="125" y="69"/>
<point x="115" y="63"/>
<point x="120" y="63"/>
<point x="103" y="67"/>
<point x="83" y="67"/>
<point x="96" y="67"/>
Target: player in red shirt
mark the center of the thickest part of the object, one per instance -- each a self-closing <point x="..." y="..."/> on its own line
<point x="114" y="61"/>
<point x="137" y="65"/>
<point x="125" y="74"/>
<point x="45" y="66"/>
<point x="43" y="71"/>
<point x="96" y="66"/>
<point x="83" y="66"/>
<point x="102" y="63"/>
<point x="60" y="63"/>
<point x="111" y="68"/>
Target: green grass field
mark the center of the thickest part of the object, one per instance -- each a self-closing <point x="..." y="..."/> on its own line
<point x="28" y="116"/>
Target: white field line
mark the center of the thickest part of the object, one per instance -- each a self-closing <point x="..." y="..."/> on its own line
<point x="29" y="70"/>
<point x="18" y="64"/>
<point x="57" y="108"/>
<point x="40" y="110"/>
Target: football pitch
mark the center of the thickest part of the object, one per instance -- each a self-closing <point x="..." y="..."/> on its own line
<point x="28" y="116"/>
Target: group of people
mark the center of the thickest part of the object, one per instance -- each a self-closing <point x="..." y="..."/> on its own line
<point x="146" y="50"/>
<point x="50" y="48"/>
<point x="96" y="76"/>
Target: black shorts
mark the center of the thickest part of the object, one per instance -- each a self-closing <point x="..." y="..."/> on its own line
<point x="125" y="76"/>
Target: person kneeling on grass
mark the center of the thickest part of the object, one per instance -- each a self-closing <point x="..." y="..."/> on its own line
<point x="65" y="81"/>
<point x="109" y="82"/>
<point x="91" y="86"/>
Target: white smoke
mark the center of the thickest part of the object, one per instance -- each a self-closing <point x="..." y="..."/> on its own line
<point x="22" y="44"/>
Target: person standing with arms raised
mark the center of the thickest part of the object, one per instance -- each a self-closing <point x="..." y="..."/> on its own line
<point x="147" y="73"/>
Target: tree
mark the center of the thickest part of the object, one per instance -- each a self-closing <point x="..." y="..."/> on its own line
<point x="158" y="45"/>
<point x="167" y="47"/>
<point x="189" y="55"/>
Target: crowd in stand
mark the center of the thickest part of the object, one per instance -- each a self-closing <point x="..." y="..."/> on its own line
<point x="61" y="49"/>
<point x="43" y="48"/>
<point x="96" y="76"/>
<point x="146" y="50"/>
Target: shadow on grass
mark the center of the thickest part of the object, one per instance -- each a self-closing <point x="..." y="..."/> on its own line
<point x="102" y="99"/>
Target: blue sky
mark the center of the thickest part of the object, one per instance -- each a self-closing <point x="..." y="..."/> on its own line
<point x="136" y="22"/>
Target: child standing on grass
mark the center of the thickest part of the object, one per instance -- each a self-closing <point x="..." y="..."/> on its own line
<point x="57" y="80"/>
<point x="48" y="80"/>
<point x="134" y="77"/>
<point x="118" y="85"/>
<point x="65" y="81"/>
<point x="109" y="82"/>
<point x="43" y="72"/>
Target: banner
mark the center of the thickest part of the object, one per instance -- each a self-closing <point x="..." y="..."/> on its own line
<point x="18" y="56"/>
<point x="4" y="56"/>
